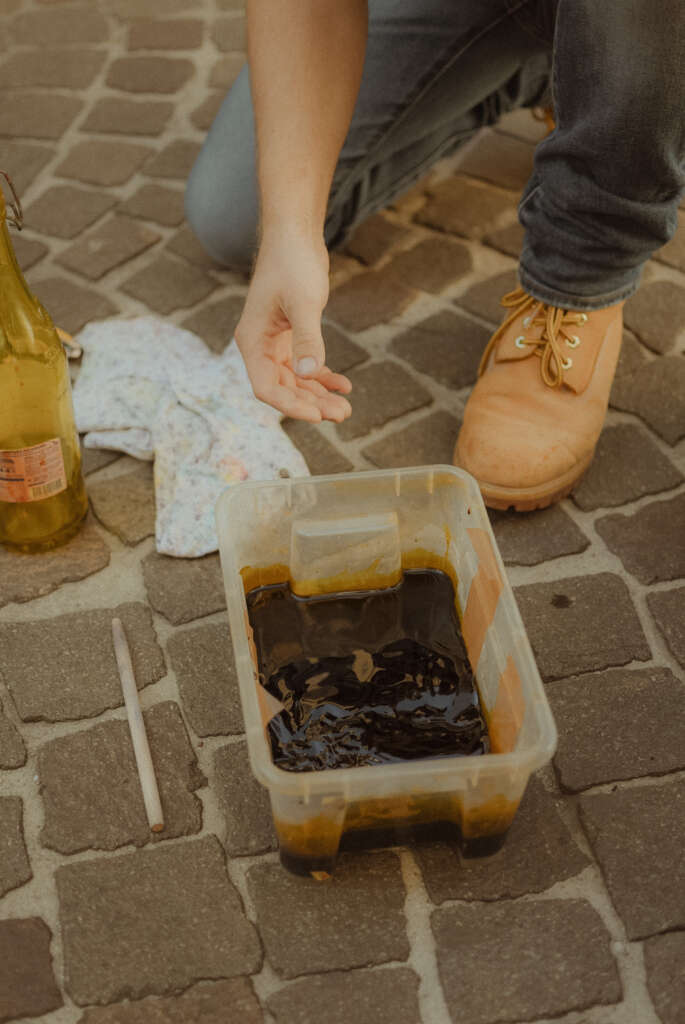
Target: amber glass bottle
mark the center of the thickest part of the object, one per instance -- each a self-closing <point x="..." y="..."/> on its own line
<point x="42" y="494"/>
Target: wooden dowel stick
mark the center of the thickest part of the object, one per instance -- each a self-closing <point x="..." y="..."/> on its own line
<point x="141" y="747"/>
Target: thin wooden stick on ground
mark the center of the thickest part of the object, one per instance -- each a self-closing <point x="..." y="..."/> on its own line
<point x="141" y="747"/>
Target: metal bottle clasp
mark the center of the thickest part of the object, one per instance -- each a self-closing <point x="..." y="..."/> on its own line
<point x="17" y="217"/>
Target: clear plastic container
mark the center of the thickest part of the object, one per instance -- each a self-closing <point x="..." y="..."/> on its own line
<point x="360" y="531"/>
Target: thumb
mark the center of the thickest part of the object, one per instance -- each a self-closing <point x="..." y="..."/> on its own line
<point x="309" y="353"/>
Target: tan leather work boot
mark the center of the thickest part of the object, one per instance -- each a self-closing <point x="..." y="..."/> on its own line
<point x="534" y="417"/>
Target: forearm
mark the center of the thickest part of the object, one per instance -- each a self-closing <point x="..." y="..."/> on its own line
<point x="306" y="59"/>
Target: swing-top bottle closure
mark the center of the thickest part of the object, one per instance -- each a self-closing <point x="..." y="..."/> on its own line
<point x="17" y="214"/>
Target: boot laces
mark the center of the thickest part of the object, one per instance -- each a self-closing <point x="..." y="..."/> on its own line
<point x="555" y="323"/>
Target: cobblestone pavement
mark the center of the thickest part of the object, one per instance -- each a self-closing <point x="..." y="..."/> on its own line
<point x="581" y="918"/>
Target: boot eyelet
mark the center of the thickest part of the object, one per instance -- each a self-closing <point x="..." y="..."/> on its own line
<point x="527" y="320"/>
<point x="567" y="363"/>
<point x="520" y="342"/>
<point x="573" y="341"/>
<point x="583" y="318"/>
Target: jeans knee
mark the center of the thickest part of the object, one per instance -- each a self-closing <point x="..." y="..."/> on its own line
<point x="226" y="231"/>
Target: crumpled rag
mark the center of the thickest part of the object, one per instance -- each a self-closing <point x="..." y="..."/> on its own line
<point x="155" y="391"/>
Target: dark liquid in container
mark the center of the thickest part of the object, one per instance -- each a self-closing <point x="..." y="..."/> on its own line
<point x="367" y="678"/>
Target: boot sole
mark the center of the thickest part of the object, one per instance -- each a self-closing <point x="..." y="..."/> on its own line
<point x="527" y="499"/>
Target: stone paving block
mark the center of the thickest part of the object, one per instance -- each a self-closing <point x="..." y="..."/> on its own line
<point x="158" y="203"/>
<point x="501" y="159"/>
<point x="93" y="459"/>
<point x="656" y="393"/>
<point x="28" y="251"/>
<point x="174" y="160"/>
<point x="244" y="803"/>
<point x="27" y="981"/>
<point x="229" y="33"/>
<point x="649" y="542"/>
<point x="627" y="465"/>
<point x="537" y="852"/>
<point x="674" y="252"/>
<point x="656" y="313"/>
<point x="374" y="238"/>
<point x="22" y="580"/>
<point x="447" y="346"/>
<point x="209" y="1002"/>
<point x="552" y="956"/>
<point x="130" y="10"/>
<point x="341" y="353"/>
<point x="618" y="725"/>
<point x="464" y="207"/>
<point x="508" y="240"/>
<point x="581" y="624"/>
<point x="149" y="74"/>
<point x="107" y="246"/>
<point x="60" y="27"/>
<point x="12" y="747"/>
<point x="64" y="667"/>
<point x="321" y="456"/>
<point x="70" y="306"/>
<point x="215" y="322"/>
<point x="157" y="34"/>
<point x="125" y="504"/>
<point x="528" y="538"/>
<point x="203" y="116"/>
<point x="97" y="162"/>
<point x="14" y="862"/>
<point x="664" y="959"/>
<point x="429" y="441"/>
<point x="355" y="919"/>
<point x="184" y="243"/>
<point x="202" y="659"/>
<point x="113" y="115"/>
<point x="24" y="161"/>
<point x="380" y="392"/>
<point x="151" y="923"/>
<point x="632" y="356"/>
<point x="341" y="267"/>
<point x="65" y="211"/>
<point x="226" y="70"/>
<point x="637" y="837"/>
<point x="483" y="298"/>
<point x="91" y="792"/>
<point x="433" y="264"/>
<point x="369" y="298"/>
<point x="183" y="589"/>
<point x="48" y="68"/>
<point x="167" y="284"/>
<point x="38" y="115"/>
<point x="668" y="610"/>
<point x="366" y="997"/>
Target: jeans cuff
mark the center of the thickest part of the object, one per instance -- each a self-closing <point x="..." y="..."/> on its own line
<point x="572" y="301"/>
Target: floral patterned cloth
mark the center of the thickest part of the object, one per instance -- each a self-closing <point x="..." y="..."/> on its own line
<point x="154" y="391"/>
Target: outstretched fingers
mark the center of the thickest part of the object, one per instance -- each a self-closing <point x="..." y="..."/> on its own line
<point x="334" y="381"/>
<point x="333" y="407"/>
<point x="268" y="386"/>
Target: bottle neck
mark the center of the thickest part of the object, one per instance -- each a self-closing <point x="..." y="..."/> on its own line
<point x="25" y="326"/>
<point x="7" y="256"/>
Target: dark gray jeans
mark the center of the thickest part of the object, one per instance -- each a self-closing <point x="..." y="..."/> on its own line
<point x="606" y="183"/>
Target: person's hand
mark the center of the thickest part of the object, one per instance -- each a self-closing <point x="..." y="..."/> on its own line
<point x="279" y="332"/>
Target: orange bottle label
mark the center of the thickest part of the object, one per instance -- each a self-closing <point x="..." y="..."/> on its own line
<point x="29" y="474"/>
